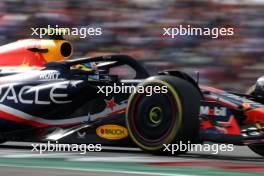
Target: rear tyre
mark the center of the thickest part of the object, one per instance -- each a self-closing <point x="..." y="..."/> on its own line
<point x="257" y="148"/>
<point x="164" y="118"/>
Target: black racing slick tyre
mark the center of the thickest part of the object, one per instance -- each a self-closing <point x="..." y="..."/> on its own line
<point x="257" y="148"/>
<point x="158" y="122"/>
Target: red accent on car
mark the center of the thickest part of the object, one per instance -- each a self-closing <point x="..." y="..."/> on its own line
<point x="254" y="116"/>
<point x="110" y="103"/>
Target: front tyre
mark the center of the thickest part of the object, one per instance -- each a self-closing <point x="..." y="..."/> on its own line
<point x="164" y="118"/>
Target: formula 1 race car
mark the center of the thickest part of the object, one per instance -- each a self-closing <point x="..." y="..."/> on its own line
<point x="61" y="102"/>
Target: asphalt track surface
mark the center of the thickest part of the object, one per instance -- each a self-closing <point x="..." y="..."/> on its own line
<point x="17" y="159"/>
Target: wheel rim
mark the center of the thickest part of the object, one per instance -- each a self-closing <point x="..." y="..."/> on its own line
<point x="155" y="115"/>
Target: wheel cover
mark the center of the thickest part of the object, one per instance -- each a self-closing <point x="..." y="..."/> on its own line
<point x="155" y="115"/>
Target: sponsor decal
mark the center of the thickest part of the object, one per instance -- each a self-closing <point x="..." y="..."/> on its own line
<point x="215" y="111"/>
<point x="50" y="76"/>
<point x="20" y="96"/>
<point x="112" y="132"/>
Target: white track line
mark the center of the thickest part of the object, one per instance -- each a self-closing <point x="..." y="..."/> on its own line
<point x="101" y="170"/>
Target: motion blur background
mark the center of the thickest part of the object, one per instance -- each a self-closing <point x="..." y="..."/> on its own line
<point x="134" y="27"/>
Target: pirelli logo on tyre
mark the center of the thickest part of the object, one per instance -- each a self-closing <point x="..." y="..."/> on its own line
<point x="112" y="132"/>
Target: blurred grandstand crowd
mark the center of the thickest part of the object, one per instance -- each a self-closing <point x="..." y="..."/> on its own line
<point x="134" y="27"/>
